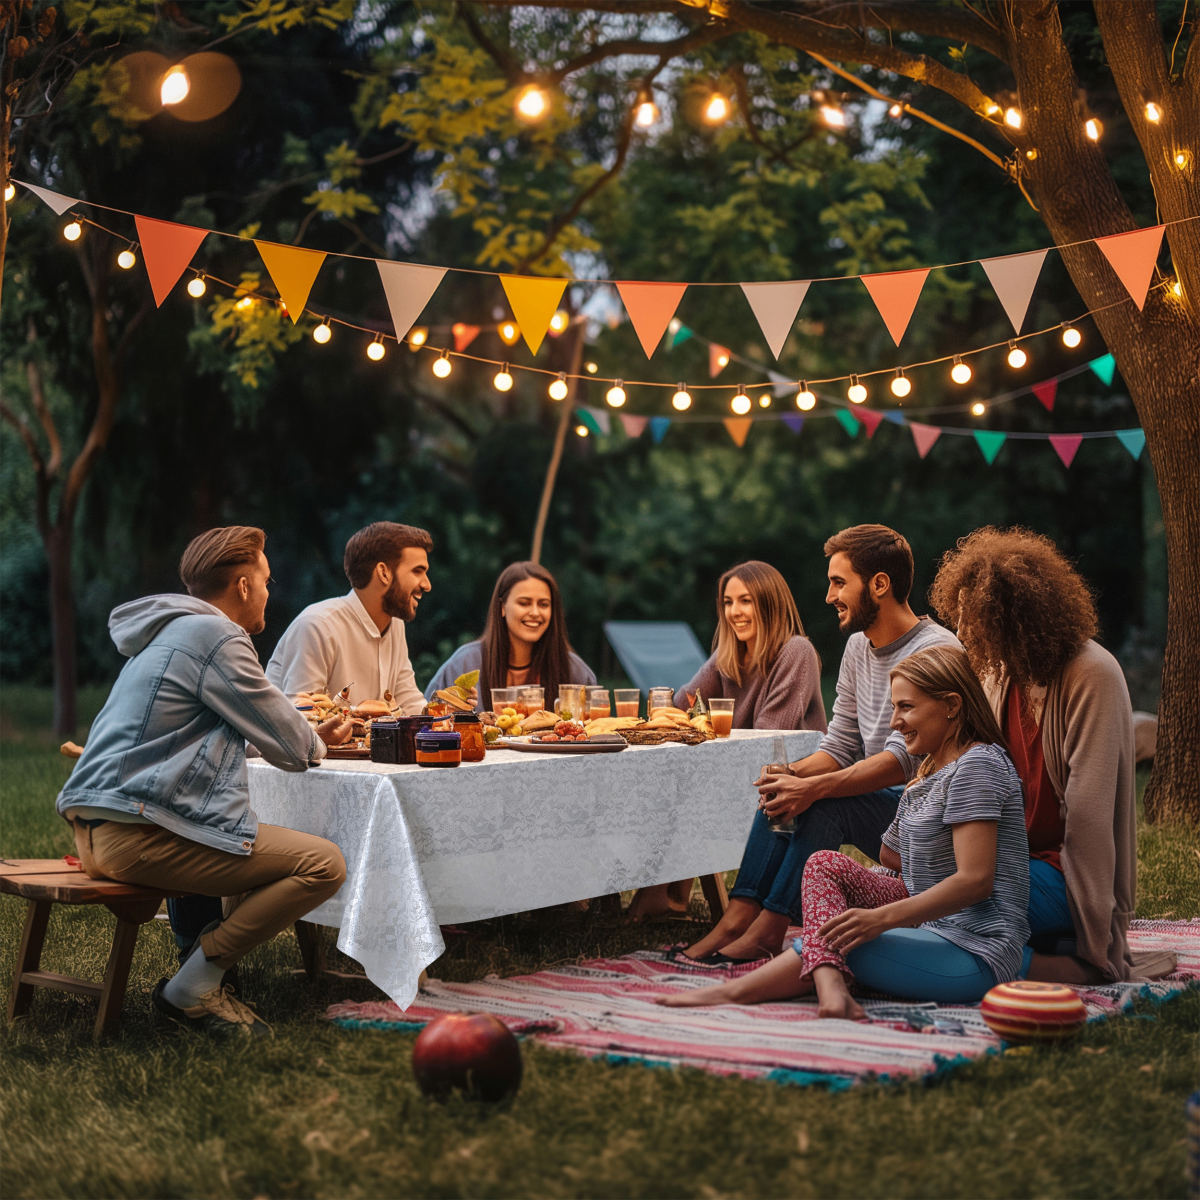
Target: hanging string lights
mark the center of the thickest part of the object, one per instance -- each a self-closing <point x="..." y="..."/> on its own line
<point x="322" y="333"/>
<point x="10" y="190"/>
<point x="509" y="332"/>
<point x="805" y="399"/>
<point x="646" y="112"/>
<point x="175" y="86"/>
<point x="1017" y="357"/>
<point x="1153" y="112"/>
<point x="1071" y="337"/>
<point x="1093" y="127"/>
<point x="978" y="408"/>
<point x="901" y="385"/>
<point x="376" y="350"/>
<point x="532" y="103"/>
<point x="196" y="287"/>
<point x="741" y="402"/>
<point x="960" y="372"/>
<point x="1013" y="118"/>
<point x="418" y="335"/>
<point x="682" y="400"/>
<point x="616" y="394"/>
<point x="559" y="322"/>
<point x="126" y="260"/>
<point x="442" y="366"/>
<point x="581" y="431"/>
<point x="503" y="381"/>
<point x="558" y="389"/>
<point x="73" y="231"/>
<point x="833" y="116"/>
<point x="856" y="393"/>
<point x="718" y="109"/>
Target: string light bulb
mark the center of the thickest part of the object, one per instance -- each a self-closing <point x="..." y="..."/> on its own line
<point x="510" y="332"/>
<point x="1177" y="288"/>
<point x="442" y="366"/>
<point x="503" y="381"/>
<point x="73" y="232"/>
<point x="376" y="350"/>
<point x="764" y="400"/>
<point x="175" y="86"/>
<point x="978" y="408"/>
<point x="646" y="112"/>
<point x="741" y="402"/>
<point x="126" y="260"/>
<point x="322" y="333"/>
<point x="581" y="431"/>
<point x="418" y="335"/>
<point x="960" y="372"/>
<point x="9" y="192"/>
<point x="1013" y="118"/>
<point x="856" y="393"/>
<point x="591" y="368"/>
<point x="616" y="394"/>
<point x="1153" y="112"/>
<point x="532" y="103"/>
<point x="722" y="360"/>
<point x="896" y="111"/>
<point x="558" y="389"/>
<point x="1182" y="158"/>
<point x="1071" y="336"/>
<point x="805" y="399"/>
<point x="1017" y="357"/>
<point x="833" y="116"/>
<point x="197" y="287"/>
<point x="682" y="400"/>
<point x="559" y="322"/>
<point x="901" y="384"/>
<point x="717" y="110"/>
<point x="1093" y="127"/>
<point x="991" y="108"/>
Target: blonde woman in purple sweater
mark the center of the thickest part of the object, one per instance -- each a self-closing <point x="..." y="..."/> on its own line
<point x="765" y="664"/>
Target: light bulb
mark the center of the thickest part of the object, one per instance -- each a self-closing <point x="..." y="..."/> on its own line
<point x="856" y="393"/>
<point x="126" y="259"/>
<point x="1017" y="357"/>
<point x="616" y="394"/>
<point x="532" y="103"/>
<point x="581" y="431"/>
<point x="978" y="408"/>
<point x="1071" y="337"/>
<point x="740" y="403"/>
<point x="1012" y="118"/>
<point x="833" y="116"/>
<point x="1031" y="153"/>
<point x="722" y="361"/>
<point x="717" y="109"/>
<point x="375" y="351"/>
<point x="9" y="192"/>
<point x="322" y="333"/>
<point x="196" y="287"/>
<point x="244" y="303"/>
<point x="896" y="111"/>
<point x="73" y="231"/>
<point x="1153" y="112"/>
<point x="960" y="372"/>
<point x="682" y="400"/>
<point x="806" y="400"/>
<point x="901" y="386"/>
<point x="764" y="401"/>
<point x="646" y="114"/>
<point x="1177" y="288"/>
<point x="418" y="335"/>
<point x="1182" y="158"/>
<point x="558" y="389"/>
<point x="442" y="366"/>
<point x="1093" y="128"/>
<point x="509" y="332"/>
<point x="175" y="86"/>
<point x="559" y="321"/>
<point x="591" y="368"/>
<point x="991" y="108"/>
<point x="503" y="380"/>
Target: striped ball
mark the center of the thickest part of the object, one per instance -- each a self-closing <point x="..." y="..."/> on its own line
<point x="1026" y="1011"/>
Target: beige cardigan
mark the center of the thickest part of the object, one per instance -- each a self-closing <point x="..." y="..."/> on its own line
<point x="1087" y="739"/>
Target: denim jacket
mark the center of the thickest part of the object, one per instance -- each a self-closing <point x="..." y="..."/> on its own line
<point x="169" y="744"/>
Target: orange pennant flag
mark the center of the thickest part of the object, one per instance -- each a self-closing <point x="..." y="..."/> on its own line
<point x="650" y="307"/>
<point x="718" y="359"/>
<point x="1132" y="256"/>
<point x="895" y="294"/>
<point x="293" y="270"/>
<point x="739" y="428"/>
<point x="167" y="248"/>
<point x="534" y="301"/>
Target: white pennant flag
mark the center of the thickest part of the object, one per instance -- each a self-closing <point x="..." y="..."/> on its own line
<point x="781" y="385"/>
<point x="56" y="200"/>
<point x="602" y="417"/>
<point x="775" y="306"/>
<point x="408" y="287"/>
<point x="1013" y="279"/>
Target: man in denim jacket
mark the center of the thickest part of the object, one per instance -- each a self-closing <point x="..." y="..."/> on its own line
<point x="160" y="796"/>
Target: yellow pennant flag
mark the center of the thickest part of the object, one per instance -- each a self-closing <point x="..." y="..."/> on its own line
<point x="293" y="271"/>
<point x="534" y="301"/>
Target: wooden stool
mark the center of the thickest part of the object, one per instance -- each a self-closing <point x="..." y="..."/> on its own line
<point x="45" y="882"/>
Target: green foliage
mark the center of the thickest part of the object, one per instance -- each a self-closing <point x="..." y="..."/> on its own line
<point x="278" y="16"/>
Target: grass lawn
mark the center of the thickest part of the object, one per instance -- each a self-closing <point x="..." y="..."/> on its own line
<point x="319" y="1112"/>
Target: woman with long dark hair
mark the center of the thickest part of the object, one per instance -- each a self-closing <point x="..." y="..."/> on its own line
<point x="524" y="641"/>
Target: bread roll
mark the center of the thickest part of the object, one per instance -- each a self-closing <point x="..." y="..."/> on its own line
<point x="372" y="708"/>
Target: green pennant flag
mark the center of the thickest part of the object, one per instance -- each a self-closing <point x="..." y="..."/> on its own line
<point x="587" y="419"/>
<point x="680" y="335"/>
<point x="1104" y="366"/>
<point x="847" y="421"/>
<point x="989" y="442"/>
<point x="1134" y="440"/>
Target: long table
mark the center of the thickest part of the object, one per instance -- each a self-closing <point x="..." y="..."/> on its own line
<point x="427" y="847"/>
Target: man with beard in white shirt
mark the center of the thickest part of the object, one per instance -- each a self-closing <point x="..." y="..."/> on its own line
<point x="358" y="639"/>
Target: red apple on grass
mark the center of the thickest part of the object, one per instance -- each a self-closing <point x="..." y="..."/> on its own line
<point x="473" y="1052"/>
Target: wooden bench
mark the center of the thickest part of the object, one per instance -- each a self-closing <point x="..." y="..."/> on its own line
<point x="45" y="882"/>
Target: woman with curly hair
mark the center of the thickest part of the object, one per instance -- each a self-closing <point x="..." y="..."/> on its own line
<point x="1027" y="620"/>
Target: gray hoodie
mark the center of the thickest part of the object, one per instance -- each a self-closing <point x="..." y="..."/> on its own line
<point x="169" y="744"/>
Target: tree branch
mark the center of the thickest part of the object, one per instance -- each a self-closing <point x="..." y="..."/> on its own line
<point x="42" y="501"/>
<point x="509" y="67"/>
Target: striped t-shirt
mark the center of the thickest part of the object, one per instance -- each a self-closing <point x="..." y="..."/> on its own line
<point x="981" y="785"/>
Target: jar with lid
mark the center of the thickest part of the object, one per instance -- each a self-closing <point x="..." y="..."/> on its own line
<point x="438" y="748"/>
<point x="470" y="732"/>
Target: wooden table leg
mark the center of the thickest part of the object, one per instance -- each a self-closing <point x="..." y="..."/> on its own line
<point x="116" y="977"/>
<point x="714" y="892"/>
<point x="311" y="939"/>
<point x="29" y="956"/>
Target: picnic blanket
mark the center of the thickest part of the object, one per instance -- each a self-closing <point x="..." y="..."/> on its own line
<point x="605" y="1008"/>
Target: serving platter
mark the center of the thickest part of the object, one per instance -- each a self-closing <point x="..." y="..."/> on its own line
<point x="532" y="747"/>
<point x="347" y="752"/>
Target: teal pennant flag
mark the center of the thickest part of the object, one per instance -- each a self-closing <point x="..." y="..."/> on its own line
<point x="989" y="442"/>
<point x="659" y="427"/>
<point x="1134" y="440"/>
<point x="588" y="420"/>
<point x="847" y="421"/>
<point x="1104" y="366"/>
<point x="680" y="336"/>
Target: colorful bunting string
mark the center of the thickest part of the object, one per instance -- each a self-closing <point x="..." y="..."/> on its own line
<point x="989" y="442"/>
<point x="896" y="294"/>
<point x="1013" y="278"/>
<point x="293" y="271"/>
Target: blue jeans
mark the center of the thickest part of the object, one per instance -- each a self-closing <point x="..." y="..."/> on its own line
<point x="1050" y="926"/>
<point x="773" y="863"/>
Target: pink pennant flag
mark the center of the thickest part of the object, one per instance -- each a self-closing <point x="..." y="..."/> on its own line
<point x="1013" y="278"/>
<point x="464" y="335"/>
<point x="167" y="248"/>
<point x="775" y="307"/>
<point x="895" y="294"/>
<point x="650" y="307"/>
<point x="715" y="354"/>
<point x="408" y="287"/>
<point x="1065" y="445"/>
<point x="1046" y="391"/>
<point x="870" y="418"/>
<point x="924" y="436"/>
<point x="1132" y="256"/>
<point x="633" y="425"/>
<point x="56" y="200"/>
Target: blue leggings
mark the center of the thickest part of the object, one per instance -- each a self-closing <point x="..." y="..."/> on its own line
<point x="918" y="964"/>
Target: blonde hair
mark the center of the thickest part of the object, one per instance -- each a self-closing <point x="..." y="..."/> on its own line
<point x="211" y="560"/>
<point x="777" y="618"/>
<point x="945" y="671"/>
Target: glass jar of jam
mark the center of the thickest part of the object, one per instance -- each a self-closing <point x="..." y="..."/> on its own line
<point x="468" y="728"/>
<point x="438" y="748"/>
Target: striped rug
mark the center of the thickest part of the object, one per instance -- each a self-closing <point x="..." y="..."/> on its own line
<point x="605" y="1008"/>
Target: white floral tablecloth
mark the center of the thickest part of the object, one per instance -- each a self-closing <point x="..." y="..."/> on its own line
<point x="426" y="847"/>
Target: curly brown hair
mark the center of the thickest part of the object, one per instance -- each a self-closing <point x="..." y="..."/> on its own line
<point x="1019" y="608"/>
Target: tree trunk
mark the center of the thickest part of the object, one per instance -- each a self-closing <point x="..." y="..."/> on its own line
<point x="62" y="624"/>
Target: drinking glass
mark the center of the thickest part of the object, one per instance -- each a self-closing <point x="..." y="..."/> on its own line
<point x="720" y="713"/>
<point x="531" y="699"/>
<point x="628" y="701"/>
<point x="660" y="697"/>
<point x="503" y="698"/>
<point x="778" y="766"/>
<point x="598" y="703"/>
<point x="572" y="701"/>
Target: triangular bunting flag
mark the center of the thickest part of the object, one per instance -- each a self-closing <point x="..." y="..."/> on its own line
<point x="534" y="301"/>
<point x="793" y="422"/>
<point x="1045" y="392"/>
<point x="924" y="436"/>
<point x="1013" y="279"/>
<point x="650" y="307"/>
<point x="408" y="288"/>
<point x="715" y="354"/>
<point x="587" y="419"/>
<point x="602" y="417"/>
<point x="464" y="335"/>
<point x="781" y="385"/>
<point x="293" y="271"/>
<point x="1134" y="440"/>
<point x="167" y="248"/>
<point x="1132" y="256"/>
<point x="895" y="294"/>
<point x="847" y="422"/>
<point x="56" y="200"/>
<point x="1104" y="366"/>
<point x="1066" y="445"/>
<point x="680" y="336"/>
<point x="871" y="419"/>
<point x="739" y="428"/>
<point x="895" y="416"/>
<point x="775" y="307"/>
<point x="989" y="442"/>
<point x="659" y="427"/>
<point x="633" y="425"/>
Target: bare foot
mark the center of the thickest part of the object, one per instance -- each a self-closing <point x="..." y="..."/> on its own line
<point x="698" y="998"/>
<point x="737" y="919"/>
<point x="833" y="996"/>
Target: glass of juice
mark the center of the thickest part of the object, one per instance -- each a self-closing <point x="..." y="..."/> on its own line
<point x="531" y="699"/>
<point x="599" y="703"/>
<point x="660" y="697"/>
<point x="503" y="698"/>
<point x="720" y="713"/>
<point x="778" y="766"/>
<point x="572" y="701"/>
<point x="628" y="701"/>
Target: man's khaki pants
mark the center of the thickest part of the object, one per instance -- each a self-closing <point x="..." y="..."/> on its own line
<point x="285" y="875"/>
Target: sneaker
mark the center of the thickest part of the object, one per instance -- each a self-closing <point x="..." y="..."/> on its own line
<point x="219" y="1012"/>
